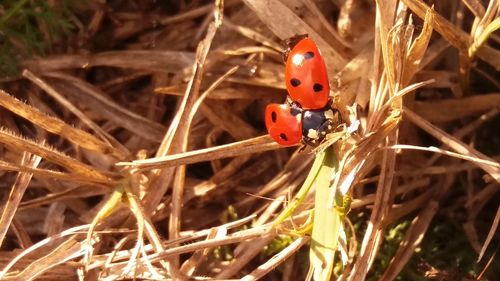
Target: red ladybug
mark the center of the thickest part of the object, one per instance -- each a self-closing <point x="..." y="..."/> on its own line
<point x="307" y="115"/>
<point x="306" y="77"/>
<point x="283" y="126"/>
<point x="289" y="124"/>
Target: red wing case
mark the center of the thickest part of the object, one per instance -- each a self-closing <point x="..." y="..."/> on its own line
<point x="306" y="77"/>
<point x="283" y="127"/>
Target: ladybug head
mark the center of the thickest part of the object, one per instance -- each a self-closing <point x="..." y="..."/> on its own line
<point x="290" y="43"/>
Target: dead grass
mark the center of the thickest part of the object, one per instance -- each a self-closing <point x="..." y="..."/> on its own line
<point x="138" y="150"/>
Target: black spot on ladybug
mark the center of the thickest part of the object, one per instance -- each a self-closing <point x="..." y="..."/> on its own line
<point x="309" y="55"/>
<point x="317" y="87"/>
<point x="283" y="137"/>
<point x="295" y="82"/>
<point x="273" y="117"/>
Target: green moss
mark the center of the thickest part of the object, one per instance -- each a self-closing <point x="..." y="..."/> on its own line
<point x="445" y="248"/>
<point x="277" y="245"/>
<point x="21" y="25"/>
<point x="394" y="235"/>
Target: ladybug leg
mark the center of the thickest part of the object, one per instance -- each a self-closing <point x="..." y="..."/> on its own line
<point x="310" y="141"/>
<point x="303" y="147"/>
<point x="330" y="103"/>
<point x="327" y="127"/>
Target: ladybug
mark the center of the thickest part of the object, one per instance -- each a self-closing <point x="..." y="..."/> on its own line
<point x="290" y="124"/>
<point x="283" y="124"/>
<point x="307" y="115"/>
<point x="306" y="76"/>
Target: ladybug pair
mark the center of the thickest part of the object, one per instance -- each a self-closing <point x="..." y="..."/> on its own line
<point x="307" y="115"/>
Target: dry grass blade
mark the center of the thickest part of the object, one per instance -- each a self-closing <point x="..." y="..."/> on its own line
<point x="229" y="239"/>
<point x="370" y="198"/>
<point x="173" y="141"/>
<point x="16" y="194"/>
<point x="274" y="13"/>
<point x="72" y="193"/>
<point x="401" y="210"/>
<point x="109" y="206"/>
<point x="144" y="22"/>
<point x="244" y="253"/>
<point x="254" y="145"/>
<point x="479" y="161"/>
<point x="155" y="116"/>
<point x="220" y="177"/>
<point x="475" y="7"/>
<point x="454" y="143"/>
<point x="144" y="220"/>
<point x="373" y="237"/>
<point x="219" y="115"/>
<point x="162" y="61"/>
<point x="472" y="237"/>
<point x="457" y="108"/>
<point x="491" y="234"/>
<point x="97" y="101"/>
<point x="482" y="196"/>
<point x="453" y="34"/>
<point x="482" y="30"/>
<point x="413" y="238"/>
<point x="276" y="260"/>
<point x="125" y="254"/>
<point x="181" y="135"/>
<point x="50" y="174"/>
<point x="252" y="34"/>
<point x="401" y="58"/>
<point x="118" y="148"/>
<point x="253" y="50"/>
<point x="418" y="48"/>
<point x="189" y="14"/>
<point x="146" y="226"/>
<point x="21" y="234"/>
<point x="381" y="114"/>
<point x="178" y="127"/>
<point x="464" y="131"/>
<point x="22" y="144"/>
<point x="65" y="251"/>
<point x="480" y="276"/>
<point x="42" y="243"/>
<point x="57" y="126"/>
<point x="189" y="266"/>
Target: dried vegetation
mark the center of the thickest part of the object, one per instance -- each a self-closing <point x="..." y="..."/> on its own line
<point x="136" y="149"/>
